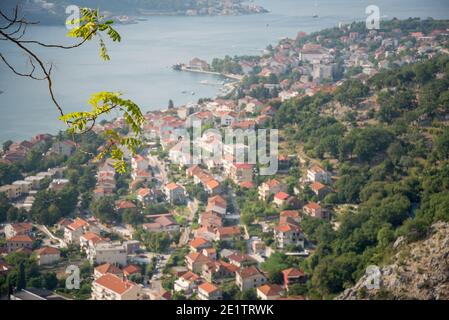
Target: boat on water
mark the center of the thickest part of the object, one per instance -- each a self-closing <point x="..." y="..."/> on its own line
<point x="315" y="15"/>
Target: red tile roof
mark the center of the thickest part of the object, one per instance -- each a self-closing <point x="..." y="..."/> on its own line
<point x="247" y="184"/>
<point x="198" y="242"/>
<point x="197" y="257"/>
<point x="217" y="201"/>
<point x="78" y="223"/>
<point x="249" y="272"/>
<point x="47" y="250"/>
<point x="125" y="204"/>
<point x="20" y="238"/>
<point x="114" y="283"/>
<point x="213" y="184"/>
<point x="131" y="269"/>
<point x="293" y="272"/>
<point x="290" y="214"/>
<point x="270" y="289"/>
<point x="208" y="287"/>
<point x="312" y="206"/>
<point x="172" y="186"/>
<point x="272" y="183"/>
<point x="282" y="196"/>
<point x="143" y="192"/>
<point x="190" y="276"/>
<point x="317" y="186"/>
<point x="108" y="268"/>
<point x="228" y="231"/>
<point x="92" y="236"/>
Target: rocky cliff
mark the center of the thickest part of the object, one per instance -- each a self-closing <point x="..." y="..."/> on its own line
<point x="419" y="270"/>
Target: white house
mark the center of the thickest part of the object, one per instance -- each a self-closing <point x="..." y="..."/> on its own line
<point x="47" y="255"/>
<point x="318" y="174"/>
<point x="111" y="287"/>
<point x="209" y="291"/>
<point x="174" y="193"/>
<point x="113" y="253"/>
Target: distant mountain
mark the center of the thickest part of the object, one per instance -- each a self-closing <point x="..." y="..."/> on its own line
<point x="53" y="11"/>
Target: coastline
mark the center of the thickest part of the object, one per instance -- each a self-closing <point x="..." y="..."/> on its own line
<point x="225" y="75"/>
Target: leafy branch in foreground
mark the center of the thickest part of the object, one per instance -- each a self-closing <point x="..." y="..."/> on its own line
<point x="102" y="104"/>
<point x="86" y="28"/>
<point x="91" y="24"/>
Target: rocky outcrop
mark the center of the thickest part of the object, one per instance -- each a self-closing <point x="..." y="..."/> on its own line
<point x="419" y="270"/>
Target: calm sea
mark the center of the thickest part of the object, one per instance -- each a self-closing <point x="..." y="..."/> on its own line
<point x="140" y="65"/>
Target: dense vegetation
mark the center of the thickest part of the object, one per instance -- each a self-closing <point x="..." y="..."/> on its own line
<point x="393" y="171"/>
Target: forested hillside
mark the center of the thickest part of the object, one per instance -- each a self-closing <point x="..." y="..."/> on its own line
<point x="390" y="155"/>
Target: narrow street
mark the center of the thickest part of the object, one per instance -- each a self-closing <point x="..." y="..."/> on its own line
<point x="47" y="232"/>
<point x="159" y="169"/>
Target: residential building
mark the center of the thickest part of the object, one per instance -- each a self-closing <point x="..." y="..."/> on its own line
<point x="111" y="287"/>
<point x="270" y="187"/>
<point x="11" y="191"/>
<point x="216" y="205"/>
<point x="105" y="252"/>
<point x="106" y="268"/>
<point x="249" y="278"/>
<point x="281" y="198"/>
<point x="209" y="291"/>
<point x="269" y="292"/>
<point x="47" y="255"/>
<point x="58" y="184"/>
<point x="63" y="148"/>
<point x="139" y="163"/>
<point x="123" y="205"/>
<point x="293" y="276"/>
<point x="313" y="209"/>
<point x="318" y="174"/>
<point x="25" y="186"/>
<point x="19" y="242"/>
<point x="210" y="220"/>
<point x="211" y="253"/>
<point x="90" y="239"/>
<point x="131" y="270"/>
<point x="175" y="193"/>
<point x="241" y="260"/>
<point x="292" y="214"/>
<point x="195" y="261"/>
<point x="15" y="229"/>
<point x="75" y="230"/>
<point x="322" y="72"/>
<point x="162" y="224"/>
<point x="198" y="244"/>
<point x="258" y="246"/>
<point x="288" y="233"/>
<point x="216" y="271"/>
<point x="241" y="172"/>
<point x="319" y="189"/>
<point x="144" y="195"/>
<point x="227" y="233"/>
<point x="187" y="283"/>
